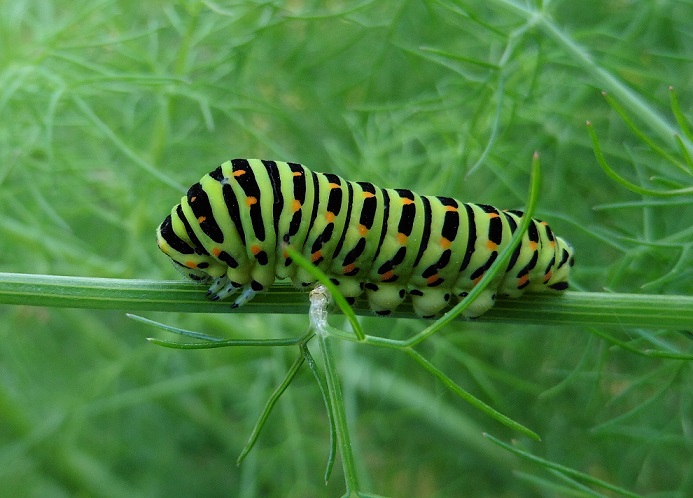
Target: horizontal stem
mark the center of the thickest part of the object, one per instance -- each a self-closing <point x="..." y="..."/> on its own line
<point x="569" y="308"/>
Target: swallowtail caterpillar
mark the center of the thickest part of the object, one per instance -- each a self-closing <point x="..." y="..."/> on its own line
<point x="230" y="230"/>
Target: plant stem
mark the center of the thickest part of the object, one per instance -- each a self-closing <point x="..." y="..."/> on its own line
<point x="337" y="402"/>
<point x="568" y="308"/>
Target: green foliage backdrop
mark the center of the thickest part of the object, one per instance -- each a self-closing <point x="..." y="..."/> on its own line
<point x="110" y="109"/>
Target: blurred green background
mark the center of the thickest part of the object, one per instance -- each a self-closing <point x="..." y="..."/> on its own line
<point x="110" y="109"/>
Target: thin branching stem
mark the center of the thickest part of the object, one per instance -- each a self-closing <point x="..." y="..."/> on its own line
<point x="562" y="469"/>
<point x="318" y="319"/>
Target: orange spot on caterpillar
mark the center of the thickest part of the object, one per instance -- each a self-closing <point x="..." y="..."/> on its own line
<point x="249" y="201"/>
<point x="493" y="215"/>
<point x="191" y="264"/>
<point x="368" y="195"/>
<point x="432" y="279"/>
<point x="476" y="280"/>
<point x="445" y="243"/>
<point x="297" y="173"/>
<point x="533" y="246"/>
<point x="522" y="281"/>
<point x="387" y="275"/>
<point x="348" y="268"/>
<point x="334" y="186"/>
<point x="285" y="252"/>
<point x="451" y="209"/>
<point x="548" y="276"/>
<point x="401" y="238"/>
<point x="255" y="249"/>
<point x="363" y="231"/>
<point x="192" y="199"/>
<point x="201" y="219"/>
<point x="216" y="251"/>
<point x="491" y="246"/>
<point x="315" y="256"/>
<point x="239" y="172"/>
<point x="406" y="202"/>
<point x="296" y="205"/>
<point x="329" y="216"/>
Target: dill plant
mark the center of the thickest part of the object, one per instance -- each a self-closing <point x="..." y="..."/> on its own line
<point x="110" y="108"/>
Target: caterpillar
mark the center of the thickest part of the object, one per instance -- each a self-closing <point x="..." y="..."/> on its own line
<point x="231" y="228"/>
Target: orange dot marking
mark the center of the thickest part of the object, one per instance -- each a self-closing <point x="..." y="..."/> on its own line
<point x="401" y="238"/>
<point x="239" y="172"/>
<point x="329" y="216"/>
<point x="201" y="219"/>
<point x="368" y="195"/>
<point x="255" y="249"/>
<point x="297" y="173"/>
<point x="348" y="268"/>
<point x="548" y="276"/>
<point x="216" y="251"/>
<point x="296" y="205"/>
<point x="192" y="199"/>
<point x="406" y="202"/>
<point x="533" y="246"/>
<point x="191" y="264"/>
<point x="522" y="280"/>
<point x="334" y="186"/>
<point x="249" y="201"/>
<point x="445" y="243"/>
<point x="432" y="279"/>
<point x="451" y="208"/>
<point x="363" y="231"/>
<point x="491" y="246"/>
<point x="316" y="256"/>
<point x="476" y="280"/>
<point x="493" y="215"/>
<point x="387" y="275"/>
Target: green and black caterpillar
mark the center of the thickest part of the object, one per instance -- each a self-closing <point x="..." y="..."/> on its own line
<point x="232" y="227"/>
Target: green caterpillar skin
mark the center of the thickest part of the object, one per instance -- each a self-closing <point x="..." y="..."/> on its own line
<point x="231" y="228"/>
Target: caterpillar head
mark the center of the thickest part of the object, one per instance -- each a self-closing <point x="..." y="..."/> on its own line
<point x="190" y="260"/>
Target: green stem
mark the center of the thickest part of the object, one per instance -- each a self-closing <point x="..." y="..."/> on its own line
<point x="472" y="400"/>
<point x="339" y="412"/>
<point x="561" y="468"/>
<point x="269" y="405"/>
<point x="596" y="309"/>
